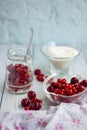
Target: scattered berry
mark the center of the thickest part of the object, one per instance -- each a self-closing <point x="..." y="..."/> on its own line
<point x="40" y="78"/>
<point x="37" y="72"/>
<point x="39" y="75"/>
<point x="36" y="105"/>
<point x="31" y="102"/>
<point x="25" y="102"/>
<point x="36" y="100"/>
<point x="31" y="95"/>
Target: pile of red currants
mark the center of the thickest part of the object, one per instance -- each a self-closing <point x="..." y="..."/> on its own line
<point x="19" y="77"/>
<point x="31" y="102"/>
<point x="62" y="87"/>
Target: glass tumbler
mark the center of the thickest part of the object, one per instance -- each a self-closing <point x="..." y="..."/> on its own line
<point x="19" y="74"/>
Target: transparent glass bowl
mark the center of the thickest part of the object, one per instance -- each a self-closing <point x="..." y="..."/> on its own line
<point x="58" y="98"/>
<point x="59" y="62"/>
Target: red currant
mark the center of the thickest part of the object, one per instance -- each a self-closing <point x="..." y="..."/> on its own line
<point x="36" y="105"/>
<point x="37" y="72"/>
<point x="50" y="89"/>
<point x="56" y="91"/>
<point x="25" y="102"/>
<point x="10" y="68"/>
<point x="31" y="95"/>
<point x="40" y="78"/>
<point x="36" y="100"/>
<point x="74" y="80"/>
<point x="69" y="92"/>
<point x="81" y="88"/>
<point x="84" y="83"/>
<point x="54" y="84"/>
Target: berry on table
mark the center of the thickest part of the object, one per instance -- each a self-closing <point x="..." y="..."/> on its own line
<point x="37" y="72"/>
<point x="25" y="102"/>
<point x="31" y="102"/>
<point x="36" y="105"/>
<point x="31" y="95"/>
<point x="39" y="75"/>
<point x="40" y="78"/>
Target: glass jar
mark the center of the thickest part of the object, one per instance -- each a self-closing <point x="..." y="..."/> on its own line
<point x="19" y="74"/>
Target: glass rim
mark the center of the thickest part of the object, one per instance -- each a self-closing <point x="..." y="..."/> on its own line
<point x="56" y="57"/>
<point x="18" y="53"/>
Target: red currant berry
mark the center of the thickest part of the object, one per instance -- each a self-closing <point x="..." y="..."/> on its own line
<point x="81" y="88"/>
<point x="74" y="90"/>
<point x="42" y="75"/>
<point x="36" y="100"/>
<point x="26" y="108"/>
<point x="56" y="91"/>
<point x="61" y="92"/>
<point x="36" y="105"/>
<point x="59" y="86"/>
<point x="64" y="81"/>
<point x="54" y="84"/>
<point x="31" y="95"/>
<point x="25" y="102"/>
<point x="37" y="72"/>
<point x="59" y="80"/>
<point x="74" y="80"/>
<point x="84" y="83"/>
<point x="40" y="78"/>
<point x="76" y="85"/>
<point x="10" y="68"/>
<point x="69" y="92"/>
<point x="50" y="89"/>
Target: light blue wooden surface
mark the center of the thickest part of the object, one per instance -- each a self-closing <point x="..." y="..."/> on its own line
<point x="10" y="102"/>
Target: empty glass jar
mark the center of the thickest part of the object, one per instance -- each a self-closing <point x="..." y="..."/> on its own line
<point x="19" y="71"/>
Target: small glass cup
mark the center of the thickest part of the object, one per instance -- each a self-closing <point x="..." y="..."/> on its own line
<point x="19" y="74"/>
<point x="58" y="57"/>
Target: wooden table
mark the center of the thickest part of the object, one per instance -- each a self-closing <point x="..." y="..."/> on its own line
<point x="11" y="102"/>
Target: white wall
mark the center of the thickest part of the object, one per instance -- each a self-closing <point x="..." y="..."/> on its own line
<point x="59" y="20"/>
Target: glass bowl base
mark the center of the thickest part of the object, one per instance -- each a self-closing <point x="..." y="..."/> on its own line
<point x="62" y="72"/>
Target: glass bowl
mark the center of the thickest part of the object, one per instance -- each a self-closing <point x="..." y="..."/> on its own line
<point x="58" y="98"/>
<point x="60" y="56"/>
